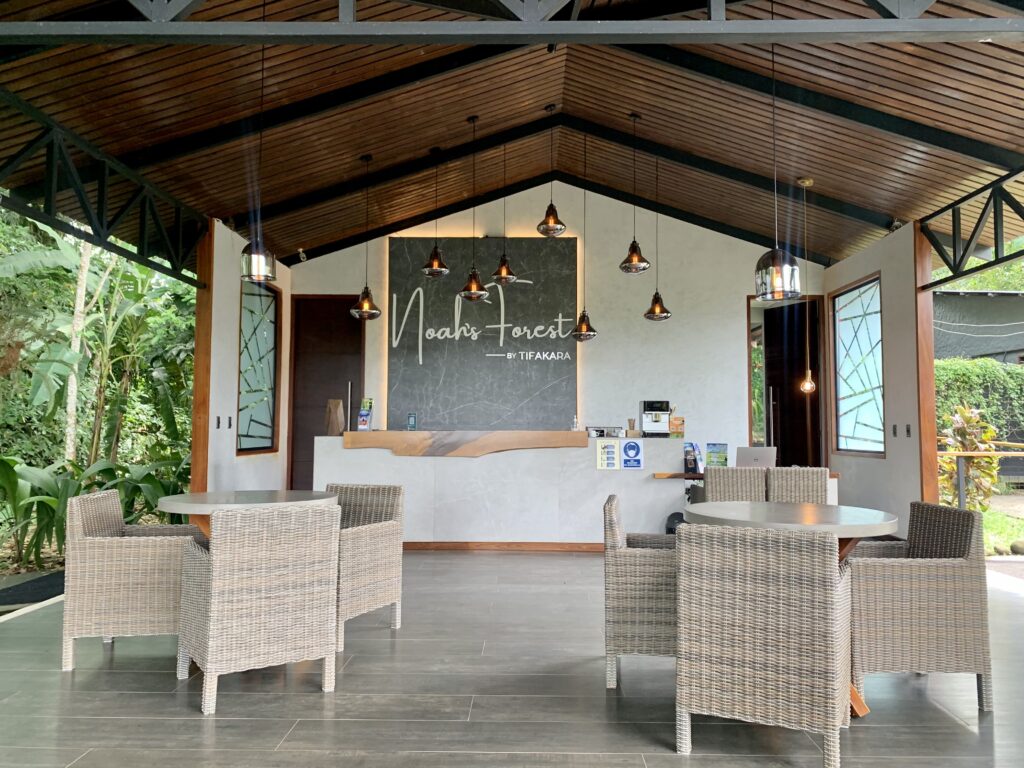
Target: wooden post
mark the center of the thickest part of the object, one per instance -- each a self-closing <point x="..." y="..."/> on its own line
<point x="201" y="364"/>
<point x="927" y="431"/>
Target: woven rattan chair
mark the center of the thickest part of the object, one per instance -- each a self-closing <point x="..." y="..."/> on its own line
<point x="798" y="484"/>
<point x="370" y="557"/>
<point x="639" y="593"/>
<point x="763" y="630"/>
<point x="264" y="594"/>
<point x="921" y="605"/>
<point x="734" y="484"/>
<point x="119" y="580"/>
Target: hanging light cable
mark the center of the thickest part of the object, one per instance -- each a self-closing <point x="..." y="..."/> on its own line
<point x="634" y="263"/>
<point x="364" y="308"/>
<point x="807" y="386"/>
<point x="474" y="289"/>
<point x="777" y="275"/>
<point x="435" y="266"/>
<point x="584" y="330"/>
<point x="657" y="311"/>
<point x="551" y="225"/>
<point x="258" y="263"/>
<point x="504" y="275"/>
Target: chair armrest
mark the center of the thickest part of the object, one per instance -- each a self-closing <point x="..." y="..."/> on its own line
<point x="896" y="589"/>
<point x="196" y="588"/>
<point x="144" y="562"/>
<point x="885" y="549"/>
<point x="371" y="542"/>
<point x="639" y="571"/>
<point x="650" y="541"/>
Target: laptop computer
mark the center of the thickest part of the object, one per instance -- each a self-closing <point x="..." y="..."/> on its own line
<point x="755" y="457"/>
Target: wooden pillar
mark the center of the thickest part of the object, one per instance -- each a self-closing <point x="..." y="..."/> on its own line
<point x="201" y="364"/>
<point x="926" y="369"/>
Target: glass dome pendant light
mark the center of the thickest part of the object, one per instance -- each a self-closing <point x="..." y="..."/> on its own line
<point x="504" y="275"/>
<point x="364" y="308"/>
<point x="551" y="225"/>
<point x="634" y="263"/>
<point x="435" y="266"/>
<point x="474" y="289"/>
<point x="657" y="311"/>
<point x="258" y="263"/>
<point x="584" y="330"/>
<point x="777" y="275"/>
<point x="807" y="386"/>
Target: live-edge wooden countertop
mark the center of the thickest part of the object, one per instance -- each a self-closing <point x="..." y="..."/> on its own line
<point x="464" y="443"/>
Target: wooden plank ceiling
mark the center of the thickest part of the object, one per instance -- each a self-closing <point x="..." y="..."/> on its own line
<point x="186" y="118"/>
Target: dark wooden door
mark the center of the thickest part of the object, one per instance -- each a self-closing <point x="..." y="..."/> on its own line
<point x="795" y="421"/>
<point x="327" y="353"/>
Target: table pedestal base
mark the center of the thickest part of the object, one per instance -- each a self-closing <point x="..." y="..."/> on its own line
<point x="857" y="706"/>
<point x="202" y="522"/>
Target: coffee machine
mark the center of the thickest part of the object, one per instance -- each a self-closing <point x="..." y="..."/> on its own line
<point x="654" y="416"/>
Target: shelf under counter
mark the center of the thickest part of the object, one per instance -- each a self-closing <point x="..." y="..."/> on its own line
<point x="462" y="443"/>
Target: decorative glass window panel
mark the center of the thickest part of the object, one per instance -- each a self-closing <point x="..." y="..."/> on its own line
<point x="860" y="423"/>
<point x="257" y="369"/>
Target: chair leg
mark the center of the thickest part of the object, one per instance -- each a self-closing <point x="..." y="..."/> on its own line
<point x="683" y="741"/>
<point x="611" y="671"/>
<point x="108" y="639"/>
<point x="832" y="749"/>
<point x="183" y="662"/>
<point x="858" y="682"/>
<point x="209" y="693"/>
<point x="396" y="614"/>
<point x="985" y="699"/>
<point x="340" y="645"/>
<point x="67" y="656"/>
<point x="328" y="682"/>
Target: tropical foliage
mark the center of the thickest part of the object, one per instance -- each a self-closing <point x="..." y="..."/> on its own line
<point x="970" y="433"/>
<point x="995" y="388"/>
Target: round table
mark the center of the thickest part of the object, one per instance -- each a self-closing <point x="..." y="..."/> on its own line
<point x="198" y="506"/>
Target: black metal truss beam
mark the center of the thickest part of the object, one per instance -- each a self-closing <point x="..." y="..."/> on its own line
<point x="167" y="231"/>
<point x="580" y="125"/>
<point x="832" y="105"/>
<point x="522" y="186"/>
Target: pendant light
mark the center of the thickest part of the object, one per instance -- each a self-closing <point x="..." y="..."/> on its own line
<point x="435" y="266"/>
<point x="474" y="289"/>
<point x="504" y="275"/>
<point x="657" y="311"/>
<point x="551" y="225"/>
<point x="258" y="263"/>
<point x="634" y="263"/>
<point x="777" y="275"/>
<point x="584" y="331"/>
<point x="364" y="308"/>
<point x="807" y="386"/>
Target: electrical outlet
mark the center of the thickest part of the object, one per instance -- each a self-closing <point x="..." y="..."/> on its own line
<point x="895" y="431"/>
<point x="908" y="430"/>
<point x="218" y="422"/>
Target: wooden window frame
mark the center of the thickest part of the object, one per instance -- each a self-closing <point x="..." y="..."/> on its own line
<point x="278" y="315"/>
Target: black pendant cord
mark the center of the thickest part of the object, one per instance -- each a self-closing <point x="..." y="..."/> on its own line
<point x="472" y="122"/>
<point x="775" y="150"/>
<point x="807" y="320"/>
<point x="259" y="147"/>
<point x="366" y="221"/>
<point x="551" y="164"/>
<point x="504" y="202"/>
<point x="435" y="206"/>
<point x="584" y="224"/>
<point x="633" y="117"/>
<point x="657" y="218"/>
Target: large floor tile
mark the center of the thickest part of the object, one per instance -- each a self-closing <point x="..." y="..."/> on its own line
<point x="38" y="757"/>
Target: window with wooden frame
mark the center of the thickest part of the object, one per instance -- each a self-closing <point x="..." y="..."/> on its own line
<point x="859" y="418"/>
<point x="258" y="356"/>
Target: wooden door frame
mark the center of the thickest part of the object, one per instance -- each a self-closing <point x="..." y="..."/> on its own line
<point x="927" y="430"/>
<point x="345" y="298"/>
<point x="201" y="359"/>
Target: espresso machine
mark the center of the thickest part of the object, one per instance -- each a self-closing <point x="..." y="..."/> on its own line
<point x="654" y="416"/>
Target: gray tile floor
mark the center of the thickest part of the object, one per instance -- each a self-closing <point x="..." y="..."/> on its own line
<point x="499" y="663"/>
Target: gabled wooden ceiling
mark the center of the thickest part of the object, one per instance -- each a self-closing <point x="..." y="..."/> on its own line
<point x="888" y="132"/>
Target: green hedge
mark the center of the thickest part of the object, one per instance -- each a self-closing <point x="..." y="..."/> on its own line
<point x="996" y="388"/>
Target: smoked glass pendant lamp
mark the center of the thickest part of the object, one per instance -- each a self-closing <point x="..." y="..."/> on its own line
<point x="435" y="266"/>
<point x="634" y="263"/>
<point x="504" y="275"/>
<point x="474" y="289"/>
<point x="551" y="225"/>
<point x="364" y="308"/>
<point x="584" y="330"/>
<point x="807" y="386"/>
<point x="777" y="274"/>
<point x="657" y="311"/>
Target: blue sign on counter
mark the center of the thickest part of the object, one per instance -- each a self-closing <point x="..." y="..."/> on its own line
<point x="632" y="454"/>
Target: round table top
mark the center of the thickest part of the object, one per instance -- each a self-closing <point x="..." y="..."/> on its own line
<point x="844" y="521"/>
<point x="205" y="503"/>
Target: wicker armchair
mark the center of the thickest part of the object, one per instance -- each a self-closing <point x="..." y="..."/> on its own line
<point x="798" y="484"/>
<point x="119" y="580"/>
<point x="264" y="593"/>
<point x="639" y="593"/>
<point x="370" y="557"/>
<point x="734" y="484"/>
<point x="763" y="630"/>
<point x="921" y="605"/>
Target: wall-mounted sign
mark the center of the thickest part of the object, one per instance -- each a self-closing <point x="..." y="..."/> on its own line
<point x="607" y="453"/>
<point x="506" y="362"/>
<point x="632" y="454"/>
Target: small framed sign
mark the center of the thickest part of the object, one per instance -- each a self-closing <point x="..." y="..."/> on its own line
<point x="632" y="454"/>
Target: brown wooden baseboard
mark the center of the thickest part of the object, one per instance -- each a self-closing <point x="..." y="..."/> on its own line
<point x="506" y="546"/>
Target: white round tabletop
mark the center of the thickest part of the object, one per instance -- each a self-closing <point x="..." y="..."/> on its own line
<point x="205" y="503"/>
<point x="844" y="521"/>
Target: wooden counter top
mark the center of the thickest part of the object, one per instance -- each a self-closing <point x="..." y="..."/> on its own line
<point x="700" y="475"/>
<point x="467" y="444"/>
